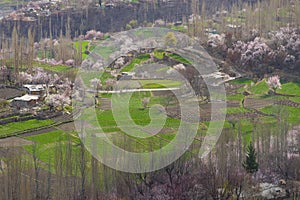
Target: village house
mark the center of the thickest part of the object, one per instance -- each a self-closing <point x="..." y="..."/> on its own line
<point x="34" y="94"/>
<point x="25" y="101"/>
<point x="38" y="90"/>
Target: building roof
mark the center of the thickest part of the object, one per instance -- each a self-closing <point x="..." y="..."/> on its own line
<point x="27" y="97"/>
<point x="34" y="88"/>
<point x="128" y="73"/>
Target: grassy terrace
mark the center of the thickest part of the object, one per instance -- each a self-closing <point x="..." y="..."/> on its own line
<point x="143" y="34"/>
<point x="84" y="45"/>
<point x="179" y="58"/>
<point x="87" y="76"/>
<point x="289" y="91"/>
<point x="138" y="60"/>
<point x="259" y="88"/>
<point x="140" y="117"/>
<point x="10" y="128"/>
<point x="151" y="84"/>
<point x="290" y="88"/>
<point x="55" y="68"/>
<point x="49" y="144"/>
<point x="46" y="144"/>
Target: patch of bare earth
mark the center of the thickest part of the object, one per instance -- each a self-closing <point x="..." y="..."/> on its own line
<point x="68" y="127"/>
<point x="14" y="142"/>
<point x="9" y="93"/>
<point x="252" y="103"/>
<point x="105" y="104"/>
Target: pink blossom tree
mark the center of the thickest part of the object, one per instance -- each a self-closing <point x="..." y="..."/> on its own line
<point x="70" y="62"/>
<point x="93" y="34"/>
<point x="40" y="76"/>
<point x="216" y="40"/>
<point x="110" y="83"/>
<point x="90" y="34"/>
<point x="95" y="83"/>
<point x="58" y="101"/>
<point x="251" y="53"/>
<point x="278" y="49"/>
<point x="274" y="83"/>
<point x="25" y="77"/>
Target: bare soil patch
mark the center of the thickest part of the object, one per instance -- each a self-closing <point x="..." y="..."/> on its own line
<point x="252" y="103"/>
<point x="105" y="104"/>
<point x="14" y="142"/>
<point x="9" y="93"/>
<point x="67" y="127"/>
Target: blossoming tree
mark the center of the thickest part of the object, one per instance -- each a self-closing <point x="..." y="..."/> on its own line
<point x="274" y="83"/>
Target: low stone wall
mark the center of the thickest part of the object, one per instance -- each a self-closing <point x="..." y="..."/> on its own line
<point x="16" y="119"/>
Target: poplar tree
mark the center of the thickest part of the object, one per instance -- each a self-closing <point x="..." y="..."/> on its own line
<point x="15" y="40"/>
<point x="30" y="50"/>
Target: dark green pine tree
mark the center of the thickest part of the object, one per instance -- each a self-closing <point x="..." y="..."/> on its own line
<point x="250" y="164"/>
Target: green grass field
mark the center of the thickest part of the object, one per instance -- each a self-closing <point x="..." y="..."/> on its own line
<point x="237" y="110"/>
<point x="84" y="45"/>
<point x="235" y="97"/>
<point x="179" y="58"/>
<point x="103" y="51"/>
<point x="56" y="68"/>
<point x="144" y="33"/>
<point x="138" y="60"/>
<point x="48" y="145"/>
<point x="159" y="53"/>
<point x="244" y="81"/>
<point x="292" y="114"/>
<point x="291" y="88"/>
<point x="151" y="84"/>
<point x="260" y="88"/>
<point x="140" y="117"/>
<point x="180" y="28"/>
<point x="260" y="91"/>
<point x="89" y="75"/>
<point x="22" y="126"/>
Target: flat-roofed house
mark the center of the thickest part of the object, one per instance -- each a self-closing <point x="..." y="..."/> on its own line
<point x="25" y="101"/>
<point x="35" y="89"/>
<point x="34" y="94"/>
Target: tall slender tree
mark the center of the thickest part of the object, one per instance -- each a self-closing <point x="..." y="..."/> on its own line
<point x="15" y="40"/>
<point x="30" y="50"/>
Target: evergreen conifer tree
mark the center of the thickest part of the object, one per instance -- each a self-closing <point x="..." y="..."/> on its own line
<point x="250" y="164"/>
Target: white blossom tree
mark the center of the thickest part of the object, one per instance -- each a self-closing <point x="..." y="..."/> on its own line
<point x="93" y="34"/>
<point x="274" y="83"/>
<point x="25" y="77"/>
<point x="96" y="85"/>
<point x="145" y="102"/>
<point x="58" y="101"/>
<point x="109" y="83"/>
